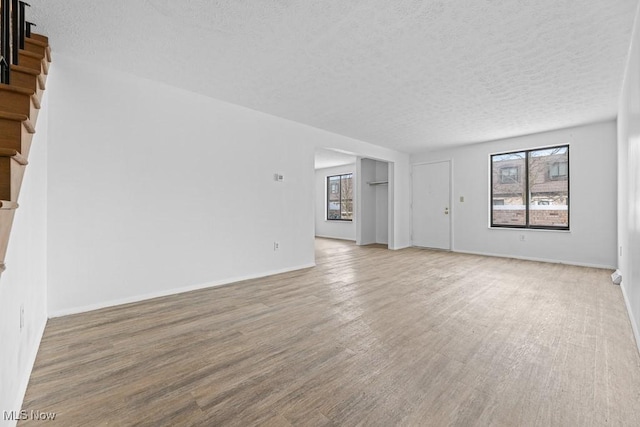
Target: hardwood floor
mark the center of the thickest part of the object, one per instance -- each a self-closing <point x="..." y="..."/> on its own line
<point x="368" y="337"/>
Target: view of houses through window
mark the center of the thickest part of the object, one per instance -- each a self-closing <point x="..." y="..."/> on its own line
<point x="530" y="189"/>
<point x="340" y="197"/>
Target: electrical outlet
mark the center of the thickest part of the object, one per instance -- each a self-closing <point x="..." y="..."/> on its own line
<point x="21" y="317"/>
<point x="276" y="246"/>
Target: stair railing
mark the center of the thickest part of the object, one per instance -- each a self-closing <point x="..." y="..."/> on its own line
<point x="13" y="30"/>
<point x="29" y="25"/>
<point x="23" y="23"/>
<point x="5" y="42"/>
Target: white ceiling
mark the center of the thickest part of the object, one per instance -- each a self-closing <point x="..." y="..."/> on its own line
<point x="406" y="74"/>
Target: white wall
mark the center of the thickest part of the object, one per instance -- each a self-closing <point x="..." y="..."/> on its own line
<point x="333" y="229"/>
<point x="24" y="281"/>
<point x="629" y="184"/>
<point x="154" y="190"/>
<point x="592" y="239"/>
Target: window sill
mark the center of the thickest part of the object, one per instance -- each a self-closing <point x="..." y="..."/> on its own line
<point x="530" y="229"/>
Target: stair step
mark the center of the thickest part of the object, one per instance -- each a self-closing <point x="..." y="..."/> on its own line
<point x="16" y="132"/>
<point x="11" y="143"/>
<point x="39" y="37"/>
<point x="38" y="46"/>
<point x="19" y="100"/>
<point x="12" y="165"/>
<point x="25" y="77"/>
<point x="22" y="144"/>
<point x="29" y="78"/>
<point x="12" y="117"/>
<point x="14" y="154"/>
<point x="33" y="60"/>
<point x="24" y="70"/>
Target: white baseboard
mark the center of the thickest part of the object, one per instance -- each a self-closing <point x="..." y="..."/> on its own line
<point x="397" y="248"/>
<point x="335" y="238"/>
<point x="174" y="291"/>
<point x="549" y="260"/>
<point x="24" y="381"/>
<point x="634" y="323"/>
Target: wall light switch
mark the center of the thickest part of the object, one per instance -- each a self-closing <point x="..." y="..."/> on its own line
<point x="461" y="199"/>
<point x="277" y="177"/>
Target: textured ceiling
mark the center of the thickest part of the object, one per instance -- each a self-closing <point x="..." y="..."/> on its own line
<point x="408" y="75"/>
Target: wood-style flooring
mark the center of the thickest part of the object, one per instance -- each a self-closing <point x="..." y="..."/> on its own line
<point x="368" y="337"/>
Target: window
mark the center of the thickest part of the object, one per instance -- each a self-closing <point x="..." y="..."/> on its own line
<point x="509" y="175"/>
<point x="558" y="170"/>
<point x="340" y="197"/>
<point x="541" y="198"/>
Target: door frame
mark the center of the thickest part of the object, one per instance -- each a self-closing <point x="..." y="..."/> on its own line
<point x="451" y="209"/>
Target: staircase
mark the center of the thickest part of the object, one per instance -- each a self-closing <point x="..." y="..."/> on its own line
<point x="24" y="65"/>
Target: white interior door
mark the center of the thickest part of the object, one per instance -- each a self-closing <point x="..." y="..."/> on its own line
<point x="431" y="213"/>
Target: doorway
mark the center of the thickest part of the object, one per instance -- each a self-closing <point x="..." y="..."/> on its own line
<point x="374" y="201"/>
